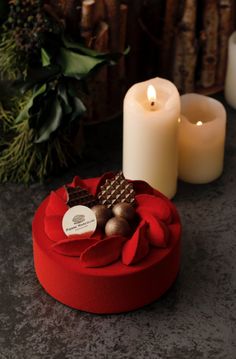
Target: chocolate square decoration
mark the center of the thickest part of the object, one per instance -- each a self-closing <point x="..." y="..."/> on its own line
<point x="116" y="190"/>
<point x="79" y="196"/>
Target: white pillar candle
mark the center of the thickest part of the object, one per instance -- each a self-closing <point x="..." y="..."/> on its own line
<point x="201" y="138"/>
<point x="230" y="93"/>
<point x="150" y="134"/>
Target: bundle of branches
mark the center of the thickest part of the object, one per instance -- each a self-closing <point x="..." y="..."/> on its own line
<point x="39" y="107"/>
<point x="196" y="34"/>
<point x="101" y="25"/>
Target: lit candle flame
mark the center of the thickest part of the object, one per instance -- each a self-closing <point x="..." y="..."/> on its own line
<point x="151" y="95"/>
<point x="199" y="123"/>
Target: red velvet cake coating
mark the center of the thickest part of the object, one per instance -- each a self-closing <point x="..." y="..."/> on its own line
<point x="102" y="274"/>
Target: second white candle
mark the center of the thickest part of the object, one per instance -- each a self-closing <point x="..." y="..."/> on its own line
<point x="201" y="138"/>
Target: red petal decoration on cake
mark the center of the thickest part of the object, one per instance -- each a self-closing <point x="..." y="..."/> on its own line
<point x="157" y="232"/>
<point x="91" y="184"/>
<point x="103" y="252"/>
<point x="77" y="182"/>
<point x="175" y="214"/>
<point x="56" y="206"/>
<point x="64" y="194"/>
<point x="98" y="234"/>
<point x="158" y="207"/>
<point x="175" y="230"/>
<point x="73" y="247"/>
<point x="161" y="195"/>
<point x="53" y="228"/>
<point x="154" y="210"/>
<point x="142" y="187"/>
<point x="137" y="247"/>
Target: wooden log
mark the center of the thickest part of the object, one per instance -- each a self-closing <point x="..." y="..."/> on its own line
<point x="134" y="35"/>
<point x="234" y="15"/>
<point x="122" y="39"/>
<point x="189" y="21"/>
<point x="210" y="44"/>
<point x="113" y="18"/>
<point x="101" y="37"/>
<point x="87" y="21"/>
<point x="185" y="57"/>
<point x="177" y="72"/>
<point x="61" y="7"/>
<point x="225" y="28"/>
<point x="178" y="53"/>
<point x="57" y="16"/>
<point x="65" y="12"/>
<point x="68" y="11"/>
<point x="168" y="36"/>
<point x="68" y="8"/>
<point x="100" y="82"/>
<point x="99" y="13"/>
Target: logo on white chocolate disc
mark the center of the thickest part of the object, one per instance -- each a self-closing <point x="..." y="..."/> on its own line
<point x="79" y="220"/>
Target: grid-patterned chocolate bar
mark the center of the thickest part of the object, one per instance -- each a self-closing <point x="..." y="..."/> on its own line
<point x="79" y="196"/>
<point x="116" y="190"/>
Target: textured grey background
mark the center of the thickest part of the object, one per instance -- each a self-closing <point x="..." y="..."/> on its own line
<point x="195" y="319"/>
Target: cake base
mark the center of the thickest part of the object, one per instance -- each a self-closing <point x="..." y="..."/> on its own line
<point x="111" y="289"/>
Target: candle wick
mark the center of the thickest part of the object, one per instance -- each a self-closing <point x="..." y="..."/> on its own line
<point x="152" y="103"/>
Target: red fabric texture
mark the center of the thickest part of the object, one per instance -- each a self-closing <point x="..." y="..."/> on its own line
<point x="108" y="274"/>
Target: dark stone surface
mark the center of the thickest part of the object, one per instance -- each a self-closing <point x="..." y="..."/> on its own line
<point x="195" y="319"/>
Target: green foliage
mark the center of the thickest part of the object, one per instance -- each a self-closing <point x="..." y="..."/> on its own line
<point x="45" y="58"/>
<point x="21" y="158"/>
<point x="52" y="121"/>
<point x="24" y="113"/>
<point x="57" y="109"/>
<point x="39" y="107"/>
<point x="75" y="46"/>
<point x="4" y="9"/>
<point x="110" y="58"/>
<point x="76" y="65"/>
<point x="29" y="25"/>
<point x="52" y="103"/>
<point x="11" y="62"/>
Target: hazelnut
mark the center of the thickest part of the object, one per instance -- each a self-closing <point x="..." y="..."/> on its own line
<point x="102" y="214"/>
<point x="124" y="210"/>
<point x="117" y="226"/>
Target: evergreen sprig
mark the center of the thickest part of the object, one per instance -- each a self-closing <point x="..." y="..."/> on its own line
<point x="39" y="107"/>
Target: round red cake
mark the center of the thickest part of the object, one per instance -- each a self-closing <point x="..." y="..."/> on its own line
<point x="102" y="274"/>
